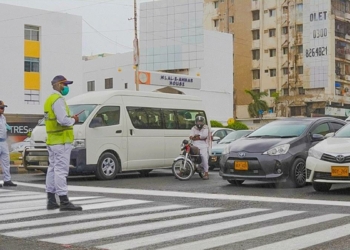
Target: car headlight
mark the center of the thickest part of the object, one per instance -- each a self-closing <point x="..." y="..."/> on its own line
<point x="315" y="153"/>
<point x="226" y="150"/>
<point x="279" y="150"/>
<point x="79" y="143"/>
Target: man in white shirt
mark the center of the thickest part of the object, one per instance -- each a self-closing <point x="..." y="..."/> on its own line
<point x="201" y="138"/>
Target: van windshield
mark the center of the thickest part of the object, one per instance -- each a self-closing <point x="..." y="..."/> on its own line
<point x="84" y="110"/>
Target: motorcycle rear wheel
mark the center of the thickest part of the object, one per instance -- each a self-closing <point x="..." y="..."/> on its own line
<point x="182" y="171"/>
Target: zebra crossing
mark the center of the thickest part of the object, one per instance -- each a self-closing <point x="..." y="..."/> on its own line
<point x="111" y="223"/>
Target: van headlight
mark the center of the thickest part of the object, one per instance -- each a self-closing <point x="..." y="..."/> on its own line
<point x="226" y="150"/>
<point x="279" y="150"/>
<point x="79" y="143"/>
<point x="315" y="153"/>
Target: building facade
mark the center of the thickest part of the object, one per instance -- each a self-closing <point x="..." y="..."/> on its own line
<point x="296" y="51"/>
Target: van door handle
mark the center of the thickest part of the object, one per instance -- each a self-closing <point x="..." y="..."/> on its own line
<point x="118" y="131"/>
<point x="130" y="131"/>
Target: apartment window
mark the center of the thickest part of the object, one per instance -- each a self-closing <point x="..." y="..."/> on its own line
<point x="285" y="9"/>
<point x="256" y="34"/>
<point x="272" y="72"/>
<point x="272" y="52"/>
<point x="109" y="83"/>
<point x="256" y="15"/>
<point x="285" y="91"/>
<point x="285" y="71"/>
<point x="299" y="8"/>
<point x="256" y="54"/>
<point x="231" y="19"/>
<point x="272" y="91"/>
<point x="272" y="32"/>
<point x="272" y="12"/>
<point x="91" y="86"/>
<point x="31" y="33"/>
<point x="31" y="64"/>
<point x="285" y="50"/>
<point x="216" y="23"/>
<point x="295" y="111"/>
<point x="300" y="70"/>
<point x="299" y="28"/>
<point x="300" y="49"/>
<point x="301" y="91"/>
<point x="285" y="30"/>
<point x="216" y="4"/>
<point x="256" y="74"/>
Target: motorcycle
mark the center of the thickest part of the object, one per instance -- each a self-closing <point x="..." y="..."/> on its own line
<point x="188" y="162"/>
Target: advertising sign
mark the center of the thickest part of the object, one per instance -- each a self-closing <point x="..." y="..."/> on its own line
<point x="316" y="33"/>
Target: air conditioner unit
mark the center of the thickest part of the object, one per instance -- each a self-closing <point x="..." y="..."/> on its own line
<point x="347" y="77"/>
<point x="347" y="16"/>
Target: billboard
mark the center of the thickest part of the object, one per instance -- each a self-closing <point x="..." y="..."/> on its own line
<point x="316" y="37"/>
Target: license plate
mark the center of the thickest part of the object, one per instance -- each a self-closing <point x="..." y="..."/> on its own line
<point x="340" y="171"/>
<point x="43" y="163"/>
<point x="241" y="165"/>
<point x="213" y="158"/>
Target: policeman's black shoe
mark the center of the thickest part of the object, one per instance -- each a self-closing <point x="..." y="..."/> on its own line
<point x="9" y="184"/>
<point x="51" y="202"/>
<point x="66" y="205"/>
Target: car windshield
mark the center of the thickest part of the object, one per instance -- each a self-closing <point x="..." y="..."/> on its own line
<point x="84" y="110"/>
<point x="234" y="136"/>
<point x="343" y="132"/>
<point x="280" y="130"/>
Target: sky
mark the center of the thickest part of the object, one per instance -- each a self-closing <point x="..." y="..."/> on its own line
<point x="106" y="24"/>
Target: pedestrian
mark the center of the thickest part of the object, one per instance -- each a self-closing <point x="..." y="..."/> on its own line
<point x="201" y="139"/>
<point x="59" y="128"/>
<point x="4" y="148"/>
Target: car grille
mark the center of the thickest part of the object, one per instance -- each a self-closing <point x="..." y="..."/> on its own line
<point x="331" y="158"/>
<point x="327" y="176"/>
<point x="254" y="167"/>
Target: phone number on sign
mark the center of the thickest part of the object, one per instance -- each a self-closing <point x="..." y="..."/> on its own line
<point x="320" y="51"/>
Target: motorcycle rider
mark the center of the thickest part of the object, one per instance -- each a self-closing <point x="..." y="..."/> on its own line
<point x="201" y="138"/>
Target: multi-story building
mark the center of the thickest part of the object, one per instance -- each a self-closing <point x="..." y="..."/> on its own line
<point x="297" y="51"/>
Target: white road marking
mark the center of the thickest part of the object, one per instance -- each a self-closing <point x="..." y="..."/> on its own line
<point x="113" y="232"/>
<point x="2" y="190"/>
<point x="20" y="198"/>
<point x="182" y="234"/>
<point x="251" y="234"/>
<point x="82" y="217"/>
<point x="24" y="193"/>
<point x="197" y="195"/>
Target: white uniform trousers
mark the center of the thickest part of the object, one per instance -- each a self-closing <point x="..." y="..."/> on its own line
<point x="5" y="160"/>
<point x="205" y="158"/>
<point x="56" y="177"/>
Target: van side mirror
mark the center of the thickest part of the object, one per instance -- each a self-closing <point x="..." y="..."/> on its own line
<point x="317" y="137"/>
<point x="96" y="122"/>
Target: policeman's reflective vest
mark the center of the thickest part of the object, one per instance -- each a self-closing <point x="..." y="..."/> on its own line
<point x="56" y="134"/>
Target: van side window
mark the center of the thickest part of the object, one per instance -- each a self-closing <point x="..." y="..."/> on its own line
<point x="321" y="129"/>
<point x="145" y="118"/>
<point x="170" y="119"/>
<point x="110" y="115"/>
<point x="186" y="118"/>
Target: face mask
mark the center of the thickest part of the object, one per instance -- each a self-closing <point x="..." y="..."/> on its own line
<point x="65" y="90"/>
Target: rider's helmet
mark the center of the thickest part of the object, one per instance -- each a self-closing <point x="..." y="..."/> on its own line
<point x="200" y="121"/>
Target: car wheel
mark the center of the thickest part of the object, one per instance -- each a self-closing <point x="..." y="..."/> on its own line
<point x="298" y="173"/>
<point x="107" y="167"/>
<point x="321" y="187"/>
<point x="236" y="182"/>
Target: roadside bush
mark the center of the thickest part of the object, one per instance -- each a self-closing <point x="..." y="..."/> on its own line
<point x="216" y="124"/>
<point x="237" y="126"/>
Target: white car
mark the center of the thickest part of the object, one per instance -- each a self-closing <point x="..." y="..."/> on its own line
<point x="219" y="133"/>
<point x="19" y="146"/>
<point x="328" y="161"/>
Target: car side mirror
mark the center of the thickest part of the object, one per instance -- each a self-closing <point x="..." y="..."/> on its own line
<point x="216" y="138"/>
<point x="329" y="135"/>
<point x="96" y="122"/>
<point x="317" y="137"/>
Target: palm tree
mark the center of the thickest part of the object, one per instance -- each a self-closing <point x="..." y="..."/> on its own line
<point x="257" y="104"/>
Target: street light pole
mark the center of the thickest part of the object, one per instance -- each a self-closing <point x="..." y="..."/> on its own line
<point x="136" y="48"/>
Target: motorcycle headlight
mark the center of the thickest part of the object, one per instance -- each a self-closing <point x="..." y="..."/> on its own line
<point x="315" y="153"/>
<point x="226" y="150"/>
<point x="79" y="143"/>
<point x="279" y="150"/>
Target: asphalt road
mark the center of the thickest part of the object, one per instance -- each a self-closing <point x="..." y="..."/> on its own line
<point x="217" y="195"/>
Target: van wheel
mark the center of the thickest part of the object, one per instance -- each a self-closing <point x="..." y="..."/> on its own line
<point x="298" y="173"/>
<point x="107" y="167"/>
<point x="145" y="173"/>
<point x="321" y="187"/>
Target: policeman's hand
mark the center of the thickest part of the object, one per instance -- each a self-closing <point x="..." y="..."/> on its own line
<point x="76" y="118"/>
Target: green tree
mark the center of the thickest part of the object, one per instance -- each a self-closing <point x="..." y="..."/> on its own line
<point x="257" y="103"/>
<point x="216" y="124"/>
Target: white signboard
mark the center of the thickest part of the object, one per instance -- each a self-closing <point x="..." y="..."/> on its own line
<point x="316" y="35"/>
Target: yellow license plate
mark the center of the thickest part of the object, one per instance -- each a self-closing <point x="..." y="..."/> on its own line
<point x="241" y="165"/>
<point x="340" y="171"/>
<point x="213" y="158"/>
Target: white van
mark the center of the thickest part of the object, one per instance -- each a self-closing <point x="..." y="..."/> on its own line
<point x="122" y="131"/>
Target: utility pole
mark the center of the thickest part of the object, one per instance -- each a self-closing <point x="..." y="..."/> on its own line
<point x="136" y="49"/>
<point x="227" y="16"/>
